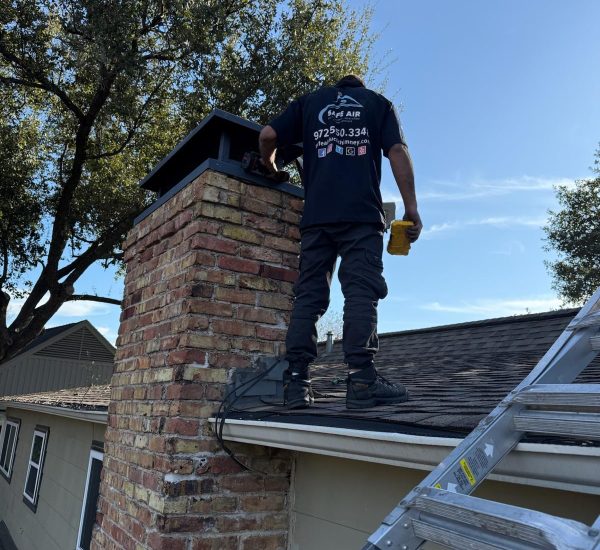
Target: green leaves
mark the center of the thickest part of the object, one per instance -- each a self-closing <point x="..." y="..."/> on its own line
<point x="574" y="232"/>
<point x="94" y="93"/>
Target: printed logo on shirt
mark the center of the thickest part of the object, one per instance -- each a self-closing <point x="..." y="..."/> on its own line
<point x="322" y="152"/>
<point x="339" y="149"/>
<point x="350" y="151"/>
<point x="362" y="150"/>
<point x="330" y="148"/>
<point x="345" y="109"/>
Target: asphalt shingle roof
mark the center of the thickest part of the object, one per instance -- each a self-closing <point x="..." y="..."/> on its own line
<point x="455" y="374"/>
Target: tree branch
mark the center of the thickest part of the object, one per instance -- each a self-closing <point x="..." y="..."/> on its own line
<point x="44" y="82"/>
<point x="93" y="298"/>
<point x="136" y="123"/>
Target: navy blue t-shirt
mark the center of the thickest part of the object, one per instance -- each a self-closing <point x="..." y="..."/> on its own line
<point x="343" y="129"/>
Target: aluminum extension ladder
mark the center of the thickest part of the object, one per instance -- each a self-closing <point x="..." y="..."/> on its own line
<point x="439" y="508"/>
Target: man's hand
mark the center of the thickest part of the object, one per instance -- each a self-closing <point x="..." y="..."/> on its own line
<point x="267" y="144"/>
<point x="269" y="163"/>
<point x="413" y="232"/>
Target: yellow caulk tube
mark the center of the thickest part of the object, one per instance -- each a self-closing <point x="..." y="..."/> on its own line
<point x="399" y="245"/>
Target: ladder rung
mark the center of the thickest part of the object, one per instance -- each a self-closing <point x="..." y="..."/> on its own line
<point x="467" y="516"/>
<point x="595" y="341"/>
<point x="577" y="395"/>
<point x="570" y="424"/>
<point x="457" y="541"/>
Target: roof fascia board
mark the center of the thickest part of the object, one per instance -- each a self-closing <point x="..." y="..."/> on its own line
<point x="98" y="417"/>
<point x="563" y="467"/>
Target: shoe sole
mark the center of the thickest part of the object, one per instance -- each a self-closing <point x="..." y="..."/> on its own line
<point x="374" y="402"/>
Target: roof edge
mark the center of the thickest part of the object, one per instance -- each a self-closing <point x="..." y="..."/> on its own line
<point x="98" y="417"/>
<point x="572" y="467"/>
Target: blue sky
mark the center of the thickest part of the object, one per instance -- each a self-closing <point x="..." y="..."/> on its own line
<point x="500" y="101"/>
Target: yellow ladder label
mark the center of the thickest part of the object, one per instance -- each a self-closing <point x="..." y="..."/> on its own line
<point x="467" y="471"/>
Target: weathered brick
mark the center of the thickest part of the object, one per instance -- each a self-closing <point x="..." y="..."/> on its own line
<point x="257" y="315"/>
<point x="238" y="264"/>
<point x="236" y="296"/>
<point x="264" y="542"/>
<point x="240" y="233"/>
<point x="233" y="327"/>
<point x="218" y="244"/>
<point x="221" y="212"/>
<point x="258" y="283"/>
<point x="278" y="273"/>
<point x="208" y="287"/>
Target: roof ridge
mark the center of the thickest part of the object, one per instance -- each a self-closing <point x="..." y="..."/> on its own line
<point x="493" y="321"/>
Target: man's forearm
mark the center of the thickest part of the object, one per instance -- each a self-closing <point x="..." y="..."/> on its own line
<point x="402" y="169"/>
<point x="267" y="144"/>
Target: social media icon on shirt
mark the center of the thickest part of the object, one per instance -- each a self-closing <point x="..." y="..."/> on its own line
<point x="362" y="150"/>
<point x="350" y="151"/>
<point x="322" y="152"/>
<point x="339" y="149"/>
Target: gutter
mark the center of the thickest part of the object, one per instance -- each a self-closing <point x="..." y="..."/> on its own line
<point x="564" y="467"/>
<point x="98" y="417"/>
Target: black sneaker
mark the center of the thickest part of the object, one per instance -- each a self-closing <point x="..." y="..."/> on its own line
<point x="369" y="392"/>
<point x="297" y="392"/>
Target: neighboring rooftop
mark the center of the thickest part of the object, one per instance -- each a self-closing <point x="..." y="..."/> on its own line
<point x="94" y="398"/>
<point x="455" y="374"/>
<point x="68" y="356"/>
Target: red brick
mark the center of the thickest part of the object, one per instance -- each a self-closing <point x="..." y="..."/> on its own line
<point x="182" y="427"/>
<point x="257" y="315"/>
<point x="217" y="543"/>
<point x="186" y="356"/>
<point x="218" y="244"/>
<point x="233" y="327"/>
<point x="236" y="296"/>
<point x="238" y="264"/>
<point x="159" y="541"/>
<point x="269" y="333"/>
<point x="264" y="542"/>
<point x="185" y="391"/>
<point x="186" y="524"/>
<point x="278" y="273"/>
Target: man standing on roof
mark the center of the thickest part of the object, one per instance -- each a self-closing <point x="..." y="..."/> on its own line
<point x="343" y="128"/>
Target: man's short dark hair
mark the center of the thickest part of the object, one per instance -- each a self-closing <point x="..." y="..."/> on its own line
<point x="350" y="78"/>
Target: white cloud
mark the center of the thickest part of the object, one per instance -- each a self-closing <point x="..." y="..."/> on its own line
<point x="494" y="307"/>
<point x="82" y="308"/>
<point x="69" y="309"/>
<point x="481" y="188"/>
<point x="494" y="221"/>
<point x="510" y="248"/>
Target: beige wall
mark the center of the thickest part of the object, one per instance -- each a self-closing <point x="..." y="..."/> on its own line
<point x="55" y="524"/>
<point x="338" y="502"/>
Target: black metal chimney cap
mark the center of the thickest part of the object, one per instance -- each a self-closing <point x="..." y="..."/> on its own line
<point x="220" y="136"/>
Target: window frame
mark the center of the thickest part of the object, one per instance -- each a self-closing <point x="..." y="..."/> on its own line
<point x="16" y="424"/>
<point x="32" y="502"/>
<point x="96" y="453"/>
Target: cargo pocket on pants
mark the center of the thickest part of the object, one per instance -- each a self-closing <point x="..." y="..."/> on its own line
<point x="375" y="262"/>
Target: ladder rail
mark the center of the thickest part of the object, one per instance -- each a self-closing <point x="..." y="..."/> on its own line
<point x="482" y="452"/>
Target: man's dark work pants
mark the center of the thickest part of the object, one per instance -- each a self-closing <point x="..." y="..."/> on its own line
<point x="360" y="247"/>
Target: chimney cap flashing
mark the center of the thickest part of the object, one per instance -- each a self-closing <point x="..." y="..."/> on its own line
<point x="202" y="143"/>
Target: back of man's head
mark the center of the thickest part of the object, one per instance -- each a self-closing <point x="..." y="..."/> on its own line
<point x="350" y="79"/>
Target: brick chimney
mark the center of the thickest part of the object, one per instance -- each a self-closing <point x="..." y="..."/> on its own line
<point x="210" y="268"/>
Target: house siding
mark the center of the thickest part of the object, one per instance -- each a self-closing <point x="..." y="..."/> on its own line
<point x="55" y="524"/>
<point x="35" y="374"/>
<point x="338" y="503"/>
